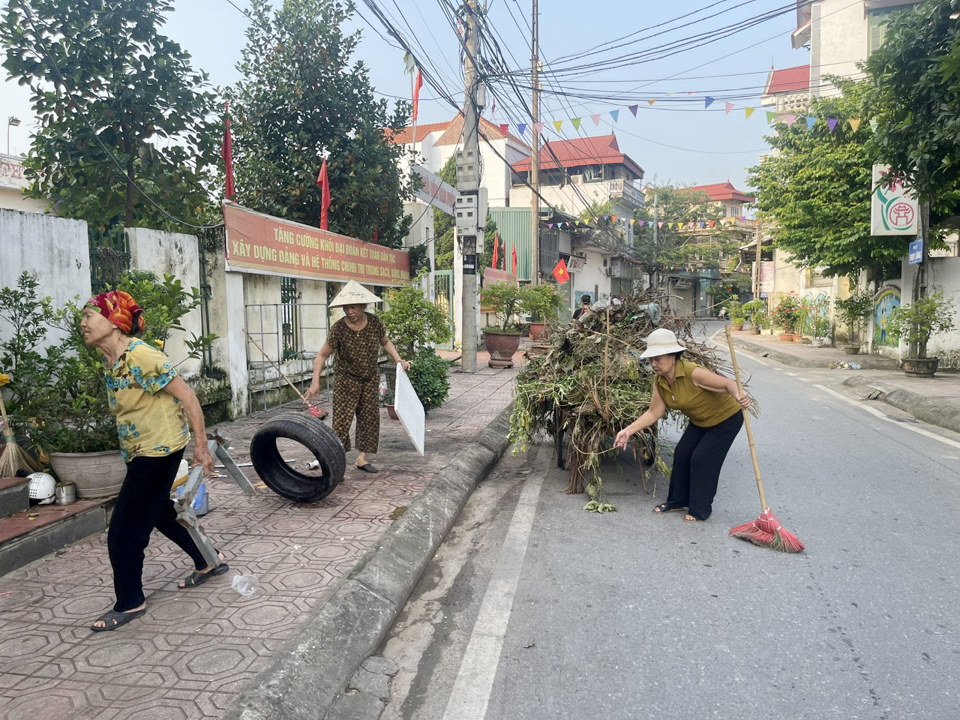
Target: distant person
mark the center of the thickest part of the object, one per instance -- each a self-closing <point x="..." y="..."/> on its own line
<point x="355" y="341"/>
<point x="713" y="405"/>
<point x="155" y="410"/>
<point x="584" y="306"/>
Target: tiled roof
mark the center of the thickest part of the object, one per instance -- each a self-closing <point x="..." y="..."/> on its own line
<point x="601" y="150"/>
<point x="451" y="132"/>
<point x="722" y="191"/>
<point x="405" y="136"/>
<point x="788" y="80"/>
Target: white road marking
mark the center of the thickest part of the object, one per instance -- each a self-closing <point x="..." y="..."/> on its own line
<point x="882" y="416"/>
<point x="478" y="669"/>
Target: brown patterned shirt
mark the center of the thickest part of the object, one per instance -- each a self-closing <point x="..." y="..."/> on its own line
<point x="356" y="352"/>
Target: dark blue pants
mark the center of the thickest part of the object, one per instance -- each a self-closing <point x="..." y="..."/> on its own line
<point x="144" y="504"/>
<point x="697" y="461"/>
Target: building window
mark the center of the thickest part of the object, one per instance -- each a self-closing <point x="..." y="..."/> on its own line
<point x="877" y="23"/>
<point x="289" y="317"/>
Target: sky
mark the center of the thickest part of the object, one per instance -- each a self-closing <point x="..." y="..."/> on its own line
<point x="675" y="139"/>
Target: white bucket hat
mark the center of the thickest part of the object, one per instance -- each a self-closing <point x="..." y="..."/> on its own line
<point x="354" y="293"/>
<point x="661" y="342"/>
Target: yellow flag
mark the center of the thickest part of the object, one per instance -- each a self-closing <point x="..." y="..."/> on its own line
<point x="652" y="101"/>
<point x="748" y="112"/>
<point x="855" y="123"/>
<point x="558" y="124"/>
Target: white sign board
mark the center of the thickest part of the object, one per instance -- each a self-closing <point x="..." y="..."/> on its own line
<point x="409" y="409"/>
<point x="894" y="209"/>
<point x="435" y="191"/>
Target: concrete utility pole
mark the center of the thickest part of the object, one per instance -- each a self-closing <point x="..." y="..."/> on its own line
<point x="468" y="221"/>
<point x="535" y="157"/>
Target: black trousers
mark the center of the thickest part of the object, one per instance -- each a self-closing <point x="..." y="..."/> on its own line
<point x="144" y="504"/>
<point x="697" y="461"/>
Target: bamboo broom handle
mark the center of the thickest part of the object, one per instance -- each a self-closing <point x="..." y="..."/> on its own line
<point x="746" y="421"/>
<point x="7" y="430"/>
<point x="276" y="367"/>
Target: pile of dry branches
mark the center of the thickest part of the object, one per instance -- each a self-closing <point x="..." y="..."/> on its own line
<point x="591" y="383"/>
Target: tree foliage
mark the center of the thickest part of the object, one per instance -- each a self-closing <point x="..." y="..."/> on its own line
<point x="118" y="107"/>
<point x="815" y="188"/>
<point x="917" y="74"/>
<point x="302" y="96"/>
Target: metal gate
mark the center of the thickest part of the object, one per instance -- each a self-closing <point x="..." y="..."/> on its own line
<point x="443" y="297"/>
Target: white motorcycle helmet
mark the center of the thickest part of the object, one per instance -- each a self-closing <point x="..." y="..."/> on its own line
<point x="43" y="488"/>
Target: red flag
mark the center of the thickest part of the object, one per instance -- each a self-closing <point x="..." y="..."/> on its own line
<point x="416" y="93"/>
<point x="227" y="152"/>
<point x="513" y="250"/>
<point x="324" y="182"/>
<point x="560" y="272"/>
<point x="496" y="248"/>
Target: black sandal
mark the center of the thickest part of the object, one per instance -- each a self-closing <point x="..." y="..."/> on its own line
<point x="112" y="619"/>
<point x="199" y="578"/>
<point x="666" y="507"/>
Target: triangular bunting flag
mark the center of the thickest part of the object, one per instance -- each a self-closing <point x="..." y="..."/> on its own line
<point x="660" y="224"/>
<point x="521" y="128"/>
<point x="550" y="225"/>
<point x="614" y="114"/>
<point x="707" y="102"/>
<point x="873" y="123"/>
<point x="811" y="121"/>
<point x="576" y="123"/>
<point x="789" y="119"/>
<point x="596" y="219"/>
<point x="504" y="128"/>
<point x="854" y="123"/>
<point x="748" y="112"/>
<point x="596" y="119"/>
<point x="539" y="127"/>
<point x="613" y="217"/>
<point x="712" y="223"/>
<point x="633" y="109"/>
<point x="728" y="107"/>
<point x="831" y="123"/>
<point x="770" y="116"/>
<point x="642" y="222"/>
<point x="558" y="124"/>
<point x="651" y="102"/>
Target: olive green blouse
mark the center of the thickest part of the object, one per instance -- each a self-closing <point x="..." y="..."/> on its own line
<point x="704" y="407"/>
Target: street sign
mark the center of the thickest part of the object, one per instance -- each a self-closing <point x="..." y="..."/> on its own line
<point x="916" y="252"/>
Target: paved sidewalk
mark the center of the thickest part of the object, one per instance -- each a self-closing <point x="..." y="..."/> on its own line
<point x="933" y="400"/>
<point x="209" y="652"/>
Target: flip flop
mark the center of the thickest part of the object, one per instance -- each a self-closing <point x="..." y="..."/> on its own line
<point x="665" y="508"/>
<point x="113" y="619"/>
<point x="199" y="578"/>
<point x="366" y="468"/>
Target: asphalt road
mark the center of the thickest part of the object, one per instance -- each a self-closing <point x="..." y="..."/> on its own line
<point x="536" y="609"/>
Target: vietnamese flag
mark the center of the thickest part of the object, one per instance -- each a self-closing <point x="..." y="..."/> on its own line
<point x="496" y="247"/>
<point x="560" y="272"/>
<point x="227" y="152"/>
<point x="513" y="250"/>
<point x="416" y="93"/>
<point x="324" y="182"/>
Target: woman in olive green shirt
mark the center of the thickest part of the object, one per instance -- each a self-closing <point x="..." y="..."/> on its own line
<point x="713" y="405"/>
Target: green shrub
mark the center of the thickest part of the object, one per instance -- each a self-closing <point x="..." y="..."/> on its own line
<point x="428" y="375"/>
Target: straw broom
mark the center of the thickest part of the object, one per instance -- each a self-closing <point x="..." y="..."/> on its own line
<point x="14" y="458"/>
<point x="766" y="530"/>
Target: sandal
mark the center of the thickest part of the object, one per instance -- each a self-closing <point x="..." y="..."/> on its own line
<point x="112" y="619"/>
<point x="199" y="578"/>
<point x="665" y="508"/>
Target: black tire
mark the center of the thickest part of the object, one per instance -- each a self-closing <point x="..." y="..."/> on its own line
<point x="283" y="479"/>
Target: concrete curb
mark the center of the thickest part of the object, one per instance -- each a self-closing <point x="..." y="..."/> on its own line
<point x="929" y="410"/>
<point x="867" y="362"/>
<point x="305" y="678"/>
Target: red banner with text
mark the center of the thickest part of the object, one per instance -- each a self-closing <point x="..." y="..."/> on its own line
<point x="266" y="245"/>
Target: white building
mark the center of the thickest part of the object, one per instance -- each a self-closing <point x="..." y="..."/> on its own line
<point x="12" y="184"/>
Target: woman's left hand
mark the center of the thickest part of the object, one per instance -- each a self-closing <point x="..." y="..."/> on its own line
<point x="405" y="364"/>
<point x="202" y="456"/>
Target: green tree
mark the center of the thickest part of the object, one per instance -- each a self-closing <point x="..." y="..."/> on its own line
<point x="815" y="188"/>
<point x="917" y="75"/>
<point x="300" y="97"/>
<point x="118" y="108"/>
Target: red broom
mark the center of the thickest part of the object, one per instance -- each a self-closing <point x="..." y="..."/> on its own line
<point x="766" y="530"/>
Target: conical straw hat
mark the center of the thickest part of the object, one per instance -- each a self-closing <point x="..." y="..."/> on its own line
<point x="354" y="293"/>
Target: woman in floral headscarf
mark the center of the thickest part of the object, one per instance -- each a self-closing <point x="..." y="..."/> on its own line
<point x="155" y="410"/>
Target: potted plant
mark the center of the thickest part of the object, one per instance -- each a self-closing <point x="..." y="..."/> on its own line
<point x="388" y="404"/>
<point x="816" y="321"/>
<point x="502" y="340"/>
<point x="853" y="311"/>
<point x="786" y="314"/>
<point x="735" y="312"/>
<point x="543" y="303"/>
<point x="753" y="309"/>
<point x="915" y="324"/>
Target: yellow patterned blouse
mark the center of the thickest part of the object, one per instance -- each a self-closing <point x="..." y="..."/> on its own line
<point x="150" y="422"/>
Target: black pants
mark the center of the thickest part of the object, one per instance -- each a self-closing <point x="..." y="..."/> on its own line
<point x="144" y="504"/>
<point x="696" y="465"/>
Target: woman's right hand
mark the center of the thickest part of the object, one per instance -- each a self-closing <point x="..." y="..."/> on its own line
<point x="311" y="392"/>
<point x="623" y="438"/>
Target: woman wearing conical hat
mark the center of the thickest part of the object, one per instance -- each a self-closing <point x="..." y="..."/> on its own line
<point x="355" y="341"/>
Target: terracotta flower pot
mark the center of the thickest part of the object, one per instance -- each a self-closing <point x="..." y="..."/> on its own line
<point x="501" y="347"/>
<point x="536" y="330"/>
<point x="786" y="337"/>
<point x="920" y="367"/>
<point x="392" y="412"/>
